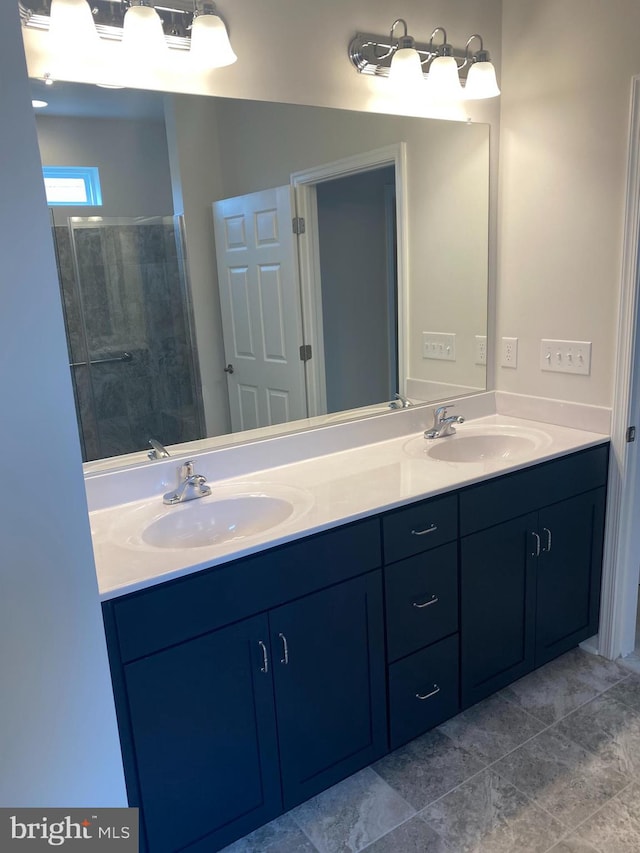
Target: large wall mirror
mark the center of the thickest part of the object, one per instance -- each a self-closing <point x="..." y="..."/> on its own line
<point x="224" y="321"/>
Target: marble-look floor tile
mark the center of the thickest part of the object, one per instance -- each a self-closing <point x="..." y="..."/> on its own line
<point x="280" y="836"/>
<point x="561" y="777"/>
<point x="628" y="691"/>
<point x="488" y="815"/>
<point x="352" y="814"/>
<point x="615" y="828"/>
<point x="608" y="728"/>
<point x="414" y="836"/>
<point x="427" y="768"/>
<point x="492" y="728"/>
<point x="631" y="662"/>
<point x="563" y="685"/>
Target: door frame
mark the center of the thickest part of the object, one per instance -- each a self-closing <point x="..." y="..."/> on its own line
<point x="304" y="184"/>
<point x="621" y="570"/>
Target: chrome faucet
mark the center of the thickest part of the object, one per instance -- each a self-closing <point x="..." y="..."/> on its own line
<point x="158" y="451"/>
<point x="443" y="425"/>
<point x="400" y="402"/>
<point x="190" y="486"/>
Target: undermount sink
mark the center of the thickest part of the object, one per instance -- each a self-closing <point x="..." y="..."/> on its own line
<point x="480" y="443"/>
<point x="210" y="522"/>
<point x="229" y="514"/>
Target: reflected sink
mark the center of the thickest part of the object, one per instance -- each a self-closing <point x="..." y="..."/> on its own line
<point x="480" y="443"/>
<point x="216" y="521"/>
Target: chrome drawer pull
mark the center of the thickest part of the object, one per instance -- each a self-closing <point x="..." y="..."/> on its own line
<point x="431" y="529"/>
<point x="265" y="659"/>
<point x="537" y="551"/>
<point x="432" y="600"/>
<point x="285" y="649"/>
<point x="429" y="695"/>
<point x="548" y="532"/>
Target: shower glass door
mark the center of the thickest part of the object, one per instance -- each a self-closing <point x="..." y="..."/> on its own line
<point x="129" y="332"/>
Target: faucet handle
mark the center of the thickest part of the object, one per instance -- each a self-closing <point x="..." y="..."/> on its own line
<point x="186" y="470"/>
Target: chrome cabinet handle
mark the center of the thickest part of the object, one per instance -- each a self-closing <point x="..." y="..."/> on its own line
<point x="537" y="552"/>
<point x="435" y="690"/>
<point x="265" y="659"/>
<point x="285" y="649"/>
<point x="433" y="600"/>
<point x="548" y="532"/>
<point x="431" y="529"/>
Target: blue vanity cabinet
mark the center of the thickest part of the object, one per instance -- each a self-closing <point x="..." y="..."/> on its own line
<point x="569" y="573"/>
<point x="245" y="689"/>
<point x="329" y="679"/>
<point x="204" y="738"/>
<point x="530" y="568"/>
<point x="421" y="591"/>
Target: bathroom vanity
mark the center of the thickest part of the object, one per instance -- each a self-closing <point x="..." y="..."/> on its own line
<point x="247" y="687"/>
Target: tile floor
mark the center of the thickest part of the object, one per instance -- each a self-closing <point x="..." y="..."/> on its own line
<point x="551" y="763"/>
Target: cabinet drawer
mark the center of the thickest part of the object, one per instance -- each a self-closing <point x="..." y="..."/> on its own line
<point x="431" y="674"/>
<point x="422" y="600"/>
<point x="419" y="527"/>
<point x="525" y="491"/>
<point x="179" y="610"/>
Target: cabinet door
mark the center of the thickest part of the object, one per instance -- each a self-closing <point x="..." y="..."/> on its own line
<point x="329" y="685"/>
<point x="569" y="573"/>
<point x="497" y="607"/>
<point x="203" y="726"/>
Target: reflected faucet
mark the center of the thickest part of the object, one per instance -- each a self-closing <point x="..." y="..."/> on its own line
<point x="400" y="402"/>
<point x="158" y="451"/>
<point x="190" y="486"/>
<point x="443" y="425"/>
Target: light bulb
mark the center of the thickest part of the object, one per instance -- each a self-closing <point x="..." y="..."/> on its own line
<point x="481" y="82"/>
<point x="142" y="35"/>
<point x="443" y="82"/>
<point x="210" y="45"/>
<point x="406" y="69"/>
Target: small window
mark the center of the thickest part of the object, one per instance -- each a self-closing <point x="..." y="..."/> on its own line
<point x="72" y="186"/>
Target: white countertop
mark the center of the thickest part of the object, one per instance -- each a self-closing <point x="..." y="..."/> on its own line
<point x="325" y="492"/>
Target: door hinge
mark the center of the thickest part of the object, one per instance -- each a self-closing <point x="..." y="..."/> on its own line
<point x="631" y="434"/>
<point x="305" y="352"/>
<point x="297" y="224"/>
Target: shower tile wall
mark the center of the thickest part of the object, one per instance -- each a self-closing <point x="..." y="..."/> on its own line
<point x="128" y="296"/>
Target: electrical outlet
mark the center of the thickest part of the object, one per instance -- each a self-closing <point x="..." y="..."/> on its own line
<point x="439" y="345"/>
<point x="481" y="349"/>
<point x="509" y="352"/>
<point x="566" y="356"/>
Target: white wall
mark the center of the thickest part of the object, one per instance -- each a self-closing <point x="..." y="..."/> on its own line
<point x="131" y="155"/>
<point x="58" y="738"/>
<point x="567" y="71"/>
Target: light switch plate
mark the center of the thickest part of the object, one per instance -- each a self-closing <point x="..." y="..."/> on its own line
<point x="439" y="345"/>
<point x="566" y="356"/>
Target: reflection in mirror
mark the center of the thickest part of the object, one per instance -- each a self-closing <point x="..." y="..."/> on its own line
<point x="384" y="292"/>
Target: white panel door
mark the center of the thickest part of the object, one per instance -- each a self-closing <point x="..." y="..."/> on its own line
<point x="260" y="301"/>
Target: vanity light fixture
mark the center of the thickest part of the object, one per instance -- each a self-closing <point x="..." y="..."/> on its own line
<point x="146" y="28"/>
<point x="210" y="45"/>
<point x="142" y="33"/>
<point x="443" y="66"/>
<point x="481" y="78"/>
<point x="405" y="68"/>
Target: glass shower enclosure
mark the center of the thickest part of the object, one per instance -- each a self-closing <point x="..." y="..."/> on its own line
<point x="132" y="351"/>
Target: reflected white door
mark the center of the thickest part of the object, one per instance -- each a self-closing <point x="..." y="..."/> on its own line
<point x="260" y="301"/>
